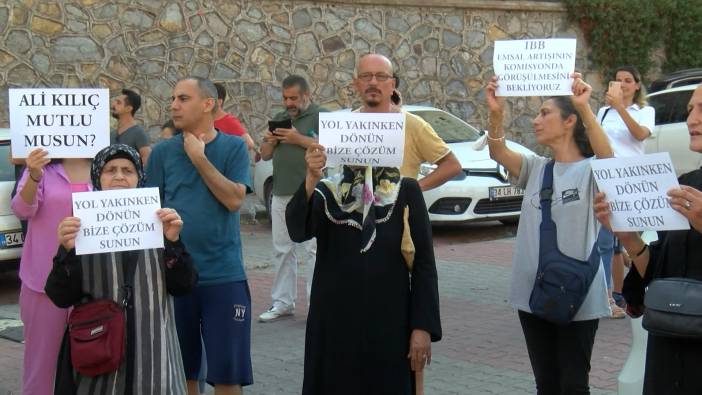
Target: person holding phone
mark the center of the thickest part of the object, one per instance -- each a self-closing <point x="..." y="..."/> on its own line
<point x="290" y="133"/>
<point x="628" y="121"/>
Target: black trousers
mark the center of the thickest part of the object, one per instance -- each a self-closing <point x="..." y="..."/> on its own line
<point x="560" y="355"/>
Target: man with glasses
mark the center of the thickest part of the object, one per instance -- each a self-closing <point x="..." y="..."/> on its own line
<point x="375" y="84"/>
<point x="287" y="148"/>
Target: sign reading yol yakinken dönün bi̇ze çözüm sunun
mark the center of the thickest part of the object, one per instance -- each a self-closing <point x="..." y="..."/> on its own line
<point x="363" y="139"/>
<point x="118" y="220"/>
<point x="636" y="189"/>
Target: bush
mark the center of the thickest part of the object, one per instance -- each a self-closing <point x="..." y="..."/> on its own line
<point x="621" y="32"/>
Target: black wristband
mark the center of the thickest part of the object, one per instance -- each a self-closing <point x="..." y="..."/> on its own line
<point x="643" y="249"/>
<point x="34" y="179"/>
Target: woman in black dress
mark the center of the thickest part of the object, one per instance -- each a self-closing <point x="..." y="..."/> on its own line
<point x="672" y="364"/>
<point x="374" y="308"/>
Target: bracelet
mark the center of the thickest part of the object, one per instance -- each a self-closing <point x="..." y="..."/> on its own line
<point x="643" y="249"/>
<point x="496" y="139"/>
<point x="34" y="179"/>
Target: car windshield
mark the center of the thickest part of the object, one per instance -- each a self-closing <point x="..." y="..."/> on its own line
<point x="448" y="127"/>
<point x="7" y="170"/>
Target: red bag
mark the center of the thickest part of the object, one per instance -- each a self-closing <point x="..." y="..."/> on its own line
<point x="96" y="331"/>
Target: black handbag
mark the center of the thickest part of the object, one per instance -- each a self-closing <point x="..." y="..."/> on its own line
<point x="674" y="308"/>
<point x="562" y="282"/>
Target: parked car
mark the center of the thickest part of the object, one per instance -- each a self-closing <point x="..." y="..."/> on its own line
<point x="670" y="133"/>
<point x="11" y="239"/>
<point x="480" y="193"/>
<point x="676" y="79"/>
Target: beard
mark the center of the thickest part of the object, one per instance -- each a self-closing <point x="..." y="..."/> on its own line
<point x="114" y="115"/>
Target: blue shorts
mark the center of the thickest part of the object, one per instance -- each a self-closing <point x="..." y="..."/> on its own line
<point x="221" y="315"/>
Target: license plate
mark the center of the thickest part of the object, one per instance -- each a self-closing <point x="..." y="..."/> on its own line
<point x="11" y="239"/>
<point x="497" y="193"/>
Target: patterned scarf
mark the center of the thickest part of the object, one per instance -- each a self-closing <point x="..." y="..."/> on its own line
<point x="368" y="191"/>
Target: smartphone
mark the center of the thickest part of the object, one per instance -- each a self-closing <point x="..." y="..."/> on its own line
<point x="615" y="85"/>
<point x="284" y="124"/>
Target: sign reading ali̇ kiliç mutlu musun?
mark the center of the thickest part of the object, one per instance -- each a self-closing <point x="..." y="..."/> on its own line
<point x="68" y="123"/>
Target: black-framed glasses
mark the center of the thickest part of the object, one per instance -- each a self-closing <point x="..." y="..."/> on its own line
<point x="380" y="77"/>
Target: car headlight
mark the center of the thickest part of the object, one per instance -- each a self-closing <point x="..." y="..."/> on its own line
<point x="426" y="168"/>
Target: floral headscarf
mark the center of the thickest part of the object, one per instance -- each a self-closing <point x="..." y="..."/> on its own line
<point x="116" y="151"/>
<point x="367" y="190"/>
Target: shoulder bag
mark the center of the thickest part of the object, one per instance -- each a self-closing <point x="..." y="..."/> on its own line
<point x="562" y="282"/>
<point x="96" y="332"/>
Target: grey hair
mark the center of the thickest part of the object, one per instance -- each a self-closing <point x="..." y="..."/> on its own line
<point x="207" y="89"/>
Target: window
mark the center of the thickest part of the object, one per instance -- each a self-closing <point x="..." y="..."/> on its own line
<point x="670" y="107"/>
<point x="448" y="127"/>
<point x="7" y="169"/>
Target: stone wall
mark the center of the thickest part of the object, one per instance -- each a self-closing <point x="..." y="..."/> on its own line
<point x="442" y="49"/>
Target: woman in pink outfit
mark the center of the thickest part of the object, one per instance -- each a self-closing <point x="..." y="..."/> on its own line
<point x="44" y="199"/>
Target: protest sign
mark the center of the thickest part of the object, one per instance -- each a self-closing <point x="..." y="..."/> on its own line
<point x="118" y="220"/>
<point x="534" y="67"/>
<point x="636" y="190"/>
<point x="363" y="139"/>
<point x="68" y="123"/>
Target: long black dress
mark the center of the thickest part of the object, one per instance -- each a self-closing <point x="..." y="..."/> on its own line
<point x="364" y="306"/>
<point x="672" y="365"/>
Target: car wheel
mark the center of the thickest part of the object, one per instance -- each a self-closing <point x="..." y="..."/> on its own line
<point x="510" y="221"/>
<point x="268" y="192"/>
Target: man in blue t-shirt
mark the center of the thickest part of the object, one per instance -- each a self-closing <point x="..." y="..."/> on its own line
<point x="204" y="174"/>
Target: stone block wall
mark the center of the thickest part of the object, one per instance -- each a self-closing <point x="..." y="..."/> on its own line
<point x="442" y="50"/>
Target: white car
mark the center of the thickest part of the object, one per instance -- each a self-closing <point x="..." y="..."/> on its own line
<point x="670" y="133"/>
<point x="11" y="239"/>
<point x="479" y="193"/>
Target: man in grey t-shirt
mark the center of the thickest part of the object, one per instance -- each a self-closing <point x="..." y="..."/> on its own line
<point x="128" y="132"/>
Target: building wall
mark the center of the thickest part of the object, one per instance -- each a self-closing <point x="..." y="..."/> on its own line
<point x="442" y="50"/>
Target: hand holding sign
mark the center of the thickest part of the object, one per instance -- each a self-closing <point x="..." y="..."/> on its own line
<point x="36" y="161"/>
<point x="688" y="201"/>
<point x="496" y="105"/>
<point x="172" y="224"/>
<point x="316" y="160"/>
<point x="582" y="92"/>
<point x="67" y="232"/>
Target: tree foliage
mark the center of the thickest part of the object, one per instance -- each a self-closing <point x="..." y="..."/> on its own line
<point x="621" y="32"/>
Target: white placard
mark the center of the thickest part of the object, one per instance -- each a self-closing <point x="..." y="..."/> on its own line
<point x="363" y="139"/>
<point x="534" y="67"/>
<point x="118" y="220"/>
<point x="68" y="123"/>
<point x="636" y="190"/>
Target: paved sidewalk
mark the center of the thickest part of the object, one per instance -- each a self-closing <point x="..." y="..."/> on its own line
<point x="482" y="352"/>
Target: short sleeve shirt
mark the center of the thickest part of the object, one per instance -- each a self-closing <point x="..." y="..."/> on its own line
<point x="577" y="228"/>
<point x="134" y="137"/>
<point x="623" y="142"/>
<point x="422" y="144"/>
<point x="230" y="124"/>
<point x="289" y="165"/>
<point x="210" y="231"/>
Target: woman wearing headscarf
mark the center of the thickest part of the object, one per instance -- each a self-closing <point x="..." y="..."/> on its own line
<point x="672" y="363"/>
<point x="152" y="361"/>
<point x="374" y="306"/>
<point x="559" y="354"/>
<point x="43" y="199"/>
